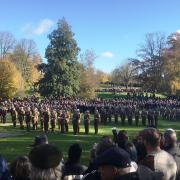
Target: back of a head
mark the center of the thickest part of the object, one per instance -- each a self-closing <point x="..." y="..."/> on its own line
<point x="105" y="143"/>
<point x="122" y="138"/>
<point x="4" y="172"/>
<point x="45" y="161"/>
<point x="152" y="137"/>
<point x="170" y="138"/>
<point x="20" y="168"/>
<point x="74" y="153"/>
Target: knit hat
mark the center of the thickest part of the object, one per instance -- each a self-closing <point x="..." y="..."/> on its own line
<point x="114" y="156"/>
<point x="45" y="156"/>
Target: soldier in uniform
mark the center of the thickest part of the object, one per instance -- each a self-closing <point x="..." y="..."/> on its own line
<point x="123" y="116"/>
<point x="86" y="121"/>
<point x="53" y="120"/>
<point x="156" y="117"/>
<point x="41" y="113"/>
<point x="129" y="115"/>
<point x="67" y="118"/>
<point x="109" y="114"/>
<point x="1" y="114"/>
<point x="28" y="117"/>
<point x="96" y="121"/>
<point x="14" y="116"/>
<point x="62" y="122"/>
<point x="21" y="116"/>
<point x="4" y="113"/>
<point x="151" y="118"/>
<point x="59" y="119"/>
<point x="46" y="120"/>
<point x="116" y="112"/>
<point x="35" y="117"/>
<point x="144" y="117"/>
<point x="76" y="121"/>
<point x="137" y="114"/>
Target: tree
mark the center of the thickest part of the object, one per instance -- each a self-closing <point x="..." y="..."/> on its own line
<point x="10" y="79"/>
<point x="102" y="77"/>
<point x="26" y="58"/>
<point x="150" y="62"/>
<point x="88" y="76"/>
<point x="62" y="74"/>
<point x="124" y="74"/>
<point x="172" y="64"/>
<point x="7" y="42"/>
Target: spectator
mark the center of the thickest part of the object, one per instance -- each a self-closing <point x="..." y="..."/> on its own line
<point x="46" y="160"/>
<point x="105" y="143"/>
<point x="39" y="140"/>
<point x="72" y="167"/>
<point x="171" y="146"/>
<point x="122" y="141"/>
<point x="115" y="164"/>
<point x="157" y="159"/>
<point x="20" y="168"/>
<point x="4" y="172"/>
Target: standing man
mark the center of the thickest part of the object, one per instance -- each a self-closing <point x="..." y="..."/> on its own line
<point x="28" y="117"/>
<point x="14" y="116"/>
<point x="47" y="116"/>
<point x="137" y="114"/>
<point x="21" y="115"/>
<point x="156" y="117"/>
<point x="76" y="121"/>
<point x="35" y="117"/>
<point x="86" y="121"/>
<point x="4" y="113"/>
<point x="123" y="116"/>
<point x="62" y="122"/>
<point x="96" y="121"/>
<point x="67" y="118"/>
<point x="53" y="120"/>
<point x="144" y="117"/>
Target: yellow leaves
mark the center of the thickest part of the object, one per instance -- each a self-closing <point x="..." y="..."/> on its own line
<point x="10" y="79"/>
<point x="175" y="85"/>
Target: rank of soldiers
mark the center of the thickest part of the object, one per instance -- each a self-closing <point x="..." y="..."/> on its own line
<point x="47" y="114"/>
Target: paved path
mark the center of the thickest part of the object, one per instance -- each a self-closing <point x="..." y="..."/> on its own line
<point x="4" y="135"/>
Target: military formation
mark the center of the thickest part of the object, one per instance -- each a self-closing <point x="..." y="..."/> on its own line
<point x="50" y="113"/>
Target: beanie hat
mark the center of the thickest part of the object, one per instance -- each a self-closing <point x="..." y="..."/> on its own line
<point x="45" y="156"/>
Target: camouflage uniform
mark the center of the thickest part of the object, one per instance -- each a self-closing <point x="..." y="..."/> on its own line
<point x="86" y="121"/>
<point x="96" y="121"/>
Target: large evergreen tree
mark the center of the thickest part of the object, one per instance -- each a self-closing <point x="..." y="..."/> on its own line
<point x="61" y="74"/>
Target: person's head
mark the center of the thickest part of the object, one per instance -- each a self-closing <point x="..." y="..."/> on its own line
<point x="20" y="168"/>
<point x="113" y="162"/>
<point x="4" y="171"/>
<point x="39" y="140"/>
<point x="74" y="153"/>
<point x="170" y="138"/>
<point x="45" y="160"/>
<point x="151" y="138"/>
<point x="122" y="138"/>
<point x="105" y="143"/>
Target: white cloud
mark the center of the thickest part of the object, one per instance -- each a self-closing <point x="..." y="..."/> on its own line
<point x="107" y="54"/>
<point x="41" y="28"/>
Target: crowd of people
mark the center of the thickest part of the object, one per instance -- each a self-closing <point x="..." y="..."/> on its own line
<point x="59" y="112"/>
<point x="149" y="156"/>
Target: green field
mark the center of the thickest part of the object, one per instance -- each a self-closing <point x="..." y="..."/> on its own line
<point x="110" y="95"/>
<point x="19" y="145"/>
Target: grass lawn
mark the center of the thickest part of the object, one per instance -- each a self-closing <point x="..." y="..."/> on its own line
<point x="10" y="147"/>
<point x="110" y="95"/>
